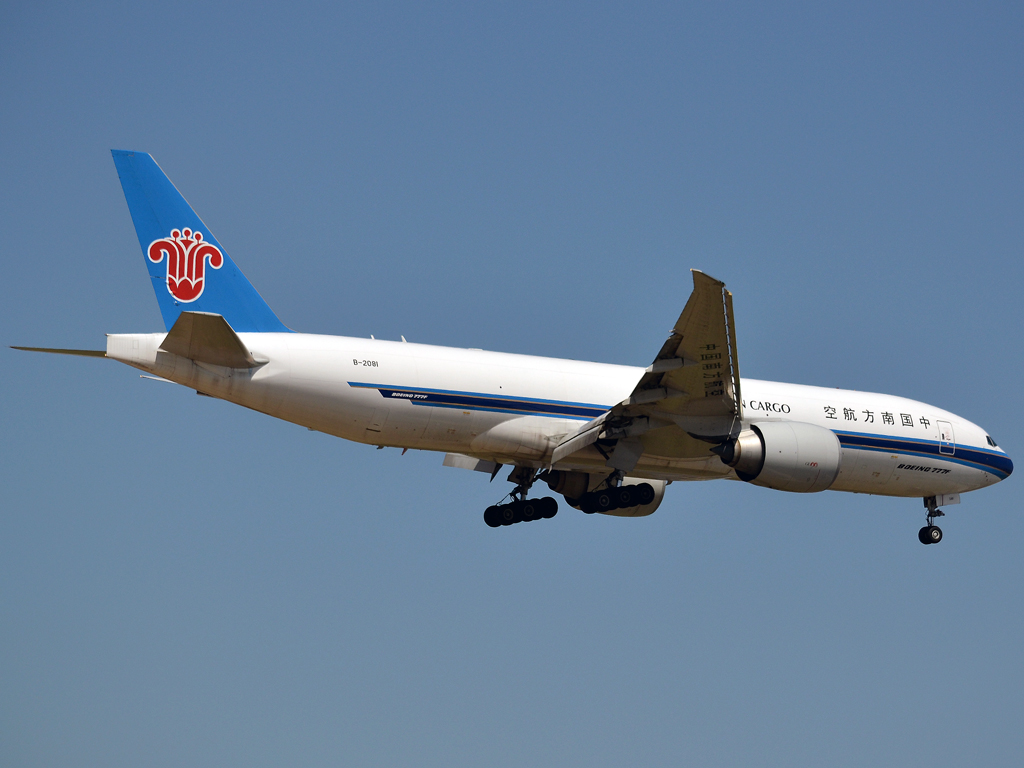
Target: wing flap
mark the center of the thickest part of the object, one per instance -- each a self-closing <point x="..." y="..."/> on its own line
<point x="461" y="461"/>
<point x="586" y="435"/>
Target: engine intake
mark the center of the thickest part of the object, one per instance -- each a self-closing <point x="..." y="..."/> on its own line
<point x="784" y="455"/>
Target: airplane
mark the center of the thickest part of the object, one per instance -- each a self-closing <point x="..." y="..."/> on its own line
<point x="607" y="438"/>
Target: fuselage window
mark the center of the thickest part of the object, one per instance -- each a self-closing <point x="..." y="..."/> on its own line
<point x="991" y="441"/>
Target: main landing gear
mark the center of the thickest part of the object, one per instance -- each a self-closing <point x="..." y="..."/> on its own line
<point x="619" y="497"/>
<point x="521" y="509"/>
<point x="931" y="534"/>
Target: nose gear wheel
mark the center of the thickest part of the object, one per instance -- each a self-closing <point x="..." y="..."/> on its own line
<point x="931" y="533"/>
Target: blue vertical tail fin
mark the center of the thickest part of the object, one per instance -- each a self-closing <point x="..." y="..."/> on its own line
<point x="188" y="267"/>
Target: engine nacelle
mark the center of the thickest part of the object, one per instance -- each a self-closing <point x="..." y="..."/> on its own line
<point x="785" y="455"/>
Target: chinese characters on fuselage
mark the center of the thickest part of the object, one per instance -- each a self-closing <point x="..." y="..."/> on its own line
<point x="868" y="417"/>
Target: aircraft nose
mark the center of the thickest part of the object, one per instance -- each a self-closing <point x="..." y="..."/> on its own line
<point x="998" y="464"/>
<point x="1001" y="466"/>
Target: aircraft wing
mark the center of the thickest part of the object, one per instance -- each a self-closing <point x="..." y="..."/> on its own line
<point x="687" y="399"/>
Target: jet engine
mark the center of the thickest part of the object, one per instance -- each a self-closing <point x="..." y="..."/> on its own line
<point x="784" y="455"/>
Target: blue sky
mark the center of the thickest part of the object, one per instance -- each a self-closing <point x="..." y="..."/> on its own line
<point x="186" y="582"/>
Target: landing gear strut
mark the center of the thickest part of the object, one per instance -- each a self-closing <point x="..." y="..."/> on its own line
<point x="520" y="509"/>
<point x="931" y="534"/>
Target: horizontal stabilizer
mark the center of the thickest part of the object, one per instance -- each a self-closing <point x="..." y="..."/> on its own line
<point x="207" y="338"/>
<point x="79" y="352"/>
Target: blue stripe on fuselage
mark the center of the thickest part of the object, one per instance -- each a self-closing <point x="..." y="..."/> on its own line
<point x="991" y="461"/>
<point x="997" y="463"/>
<point x="522" y="406"/>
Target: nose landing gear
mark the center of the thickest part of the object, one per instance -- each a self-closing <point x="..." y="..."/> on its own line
<point x="931" y="534"/>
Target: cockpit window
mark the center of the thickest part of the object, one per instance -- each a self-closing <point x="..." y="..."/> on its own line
<point x="991" y="441"/>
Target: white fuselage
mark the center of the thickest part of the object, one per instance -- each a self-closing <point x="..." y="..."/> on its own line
<point x="514" y="409"/>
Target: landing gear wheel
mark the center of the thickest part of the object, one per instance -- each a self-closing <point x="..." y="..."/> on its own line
<point x="624" y="496"/>
<point x="548" y="507"/>
<point x="520" y="511"/>
<point x="528" y="511"/>
<point x="603" y="501"/>
<point x="492" y="516"/>
<point x="643" y="493"/>
<point x="508" y="515"/>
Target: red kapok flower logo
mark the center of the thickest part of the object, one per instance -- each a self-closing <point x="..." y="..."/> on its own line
<point x="186" y="262"/>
